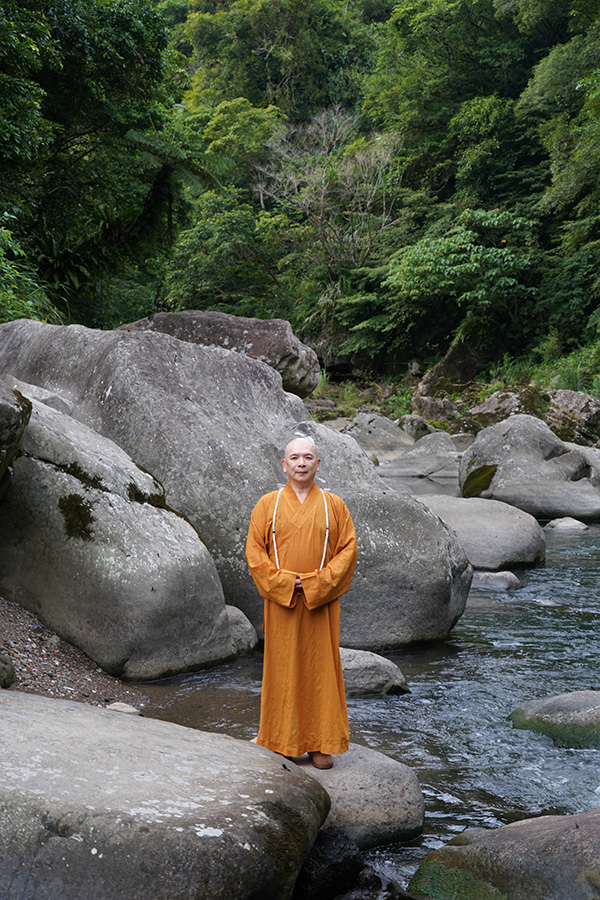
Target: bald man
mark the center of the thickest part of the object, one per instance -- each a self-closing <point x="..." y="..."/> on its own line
<point x="301" y="552"/>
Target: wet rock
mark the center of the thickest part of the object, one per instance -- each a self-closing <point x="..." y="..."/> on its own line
<point x="367" y="673"/>
<point x="333" y="866"/>
<point x="495" y="581"/>
<point x="494" y="535"/>
<point x="571" y="719"/>
<point x="547" y="858"/>
<point x="270" y="340"/>
<point x="567" y="524"/>
<point x="374" y="799"/>
<point x="520" y="461"/>
<point x="243" y="632"/>
<point x="96" y="804"/>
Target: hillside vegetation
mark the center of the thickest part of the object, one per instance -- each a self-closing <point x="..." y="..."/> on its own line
<point x="389" y="177"/>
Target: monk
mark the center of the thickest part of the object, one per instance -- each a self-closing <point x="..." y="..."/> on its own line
<point x="301" y="552"/>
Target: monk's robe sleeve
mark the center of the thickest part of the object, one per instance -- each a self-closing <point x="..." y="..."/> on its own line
<point x="276" y="585"/>
<point x="333" y="580"/>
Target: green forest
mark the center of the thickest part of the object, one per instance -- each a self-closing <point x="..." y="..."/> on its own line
<point x="391" y="177"/>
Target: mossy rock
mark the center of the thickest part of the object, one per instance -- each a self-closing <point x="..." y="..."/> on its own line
<point x="571" y="720"/>
<point x="438" y="882"/>
<point x="478" y="481"/>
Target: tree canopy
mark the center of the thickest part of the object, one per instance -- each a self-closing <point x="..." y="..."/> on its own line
<point x="390" y="177"/>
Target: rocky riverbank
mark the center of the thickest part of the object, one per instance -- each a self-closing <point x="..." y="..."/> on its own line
<point x="46" y="665"/>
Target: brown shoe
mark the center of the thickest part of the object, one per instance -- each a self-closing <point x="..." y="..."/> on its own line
<point x="321" y="760"/>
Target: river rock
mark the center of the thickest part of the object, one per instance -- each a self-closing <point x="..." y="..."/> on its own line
<point x="574" y="416"/>
<point x="571" y="719"/>
<point x="378" y="435"/>
<point x="504" y="403"/>
<point x="84" y="548"/>
<point x="368" y="673"/>
<point x="15" y="411"/>
<point x="495" y="581"/>
<point x="494" y="535"/>
<point x="374" y="799"/>
<point x="100" y="805"/>
<point x="546" y="858"/>
<point x="243" y="632"/>
<point x="211" y="425"/>
<point x="270" y="340"/>
<point x="416" y="426"/>
<point x="567" y="524"/>
<point x="522" y="462"/>
<point x="333" y="865"/>
<point x="433" y="455"/>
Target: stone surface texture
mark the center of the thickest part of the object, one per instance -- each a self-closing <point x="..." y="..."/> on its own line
<point x="548" y="858"/>
<point x="368" y="673"/>
<point x="571" y="719"/>
<point x="494" y="535"/>
<point x="374" y="799"/>
<point x="96" y="804"/>
<point x="270" y="340"/>
<point x="522" y="462"/>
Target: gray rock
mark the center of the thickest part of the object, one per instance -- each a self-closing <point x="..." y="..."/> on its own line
<point x="15" y="411"/>
<point x="433" y="455"/>
<point x="333" y="865"/>
<point x="574" y="416"/>
<point x="96" y="804"/>
<point x="368" y="673"/>
<point x="128" y="582"/>
<point x="546" y="858"/>
<point x="211" y="425"/>
<point x="571" y="719"/>
<point x="567" y="524"/>
<point x="378" y="435"/>
<point x="7" y="671"/>
<point x="243" y="632"/>
<point x="400" y="561"/>
<point x="270" y="340"/>
<point x="495" y="581"/>
<point x="127" y="708"/>
<point x="415" y="426"/>
<point x="522" y="462"/>
<point x="494" y="535"/>
<point x="374" y="799"/>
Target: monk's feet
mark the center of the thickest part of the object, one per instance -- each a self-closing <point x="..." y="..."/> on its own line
<point x="321" y="760"/>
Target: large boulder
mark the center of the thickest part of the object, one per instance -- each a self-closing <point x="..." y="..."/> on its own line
<point x="367" y="673"/>
<point x="522" y="462"/>
<point x="210" y="425"/>
<point x="378" y="435"/>
<point x="95" y="804"/>
<point x="270" y="340"/>
<point x="571" y="719"/>
<point x="15" y="411"/>
<point x="574" y="416"/>
<point x="375" y="799"/>
<point x="548" y="858"/>
<point x="494" y="535"/>
<point x="87" y="545"/>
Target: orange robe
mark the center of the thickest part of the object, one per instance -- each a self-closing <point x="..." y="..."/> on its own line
<point x="303" y="704"/>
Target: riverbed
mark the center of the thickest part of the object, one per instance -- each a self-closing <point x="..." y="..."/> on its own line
<point x="475" y="769"/>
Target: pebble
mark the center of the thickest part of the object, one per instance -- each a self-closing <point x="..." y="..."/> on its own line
<point x="47" y="665"/>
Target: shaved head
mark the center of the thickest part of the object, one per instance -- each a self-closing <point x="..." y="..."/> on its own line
<point x="301" y="442"/>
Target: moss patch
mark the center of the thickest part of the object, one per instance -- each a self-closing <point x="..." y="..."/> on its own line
<point x="437" y="882"/>
<point x="563" y="734"/>
<point x="478" y="481"/>
<point x="77" y="515"/>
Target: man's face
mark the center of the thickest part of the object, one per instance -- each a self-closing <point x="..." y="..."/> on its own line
<point x="301" y="463"/>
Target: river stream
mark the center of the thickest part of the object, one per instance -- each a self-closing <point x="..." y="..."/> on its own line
<point x="475" y="769"/>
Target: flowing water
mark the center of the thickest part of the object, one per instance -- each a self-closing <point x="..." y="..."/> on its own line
<point x="475" y="769"/>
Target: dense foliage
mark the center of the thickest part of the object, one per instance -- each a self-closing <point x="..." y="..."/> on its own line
<point x="391" y="177"/>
